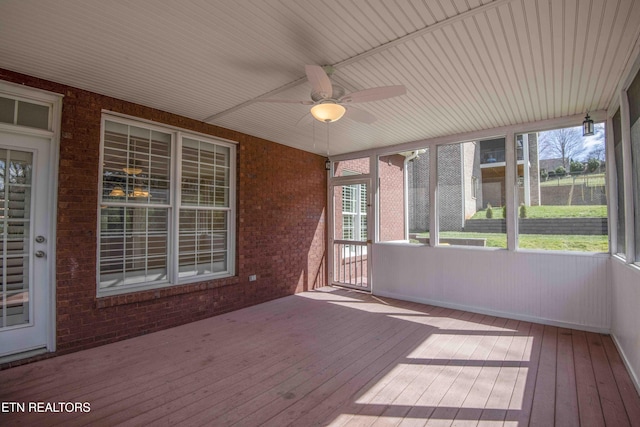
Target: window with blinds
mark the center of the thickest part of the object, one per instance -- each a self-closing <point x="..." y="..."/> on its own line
<point x="16" y="168"/>
<point x="164" y="211"/>
<point x="354" y="212"/>
<point x="204" y="208"/>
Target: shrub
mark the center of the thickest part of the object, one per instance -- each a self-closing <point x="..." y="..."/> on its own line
<point x="561" y="171"/>
<point x="504" y="211"/>
<point x="489" y="211"/>
<point x="592" y="165"/>
<point x="576" y="166"/>
<point x="523" y="210"/>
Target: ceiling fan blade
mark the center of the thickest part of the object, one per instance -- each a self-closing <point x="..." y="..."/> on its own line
<point x="319" y="80"/>
<point x="374" y="94"/>
<point x="360" y="115"/>
<point x="283" y="101"/>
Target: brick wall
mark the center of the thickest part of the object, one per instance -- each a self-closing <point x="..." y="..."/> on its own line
<point x="418" y="177"/>
<point x="470" y="169"/>
<point x="281" y="231"/>
<point x="450" y="186"/>
<point x="391" y="174"/>
<point x="351" y="167"/>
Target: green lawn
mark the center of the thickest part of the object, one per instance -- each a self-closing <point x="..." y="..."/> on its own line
<point x="587" y="211"/>
<point x="580" y="243"/>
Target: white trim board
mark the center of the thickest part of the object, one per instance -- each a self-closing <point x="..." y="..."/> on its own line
<point x="489" y="312"/>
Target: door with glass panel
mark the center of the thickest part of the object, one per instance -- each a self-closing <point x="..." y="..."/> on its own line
<point x="24" y="269"/>
<point x="350" y="266"/>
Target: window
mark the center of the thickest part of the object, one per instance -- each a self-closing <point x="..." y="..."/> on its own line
<point x="633" y="94"/>
<point x="204" y="208"/>
<point x="471" y="193"/>
<point x="562" y="201"/>
<point x="354" y="212"/>
<point x="24" y="113"/>
<point x="351" y="167"/>
<point x="404" y="196"/>
<point x="166" y="211"/>
<point x="475" y="187"/>
<point x="617" y="148"/>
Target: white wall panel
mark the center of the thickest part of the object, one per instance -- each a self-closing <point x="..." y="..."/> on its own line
<point x="562" y="289"/>
<point x="626" y="315"/>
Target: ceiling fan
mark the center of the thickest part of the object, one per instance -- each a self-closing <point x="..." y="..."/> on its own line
<point x="329" y="99"/>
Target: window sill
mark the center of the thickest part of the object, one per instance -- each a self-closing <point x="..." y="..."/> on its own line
<point x="134" y="296"/>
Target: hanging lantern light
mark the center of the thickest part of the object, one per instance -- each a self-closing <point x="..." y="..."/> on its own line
<point x="587" y="126"/>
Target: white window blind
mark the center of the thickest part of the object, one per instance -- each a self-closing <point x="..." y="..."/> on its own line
<point x="203" y="236"/>
<point x="150" y="199"/>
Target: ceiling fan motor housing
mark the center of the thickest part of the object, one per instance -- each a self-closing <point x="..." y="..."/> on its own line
<point x="338" y="92"/>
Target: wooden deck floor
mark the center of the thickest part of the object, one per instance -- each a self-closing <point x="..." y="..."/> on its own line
<point x="334" y="357"/>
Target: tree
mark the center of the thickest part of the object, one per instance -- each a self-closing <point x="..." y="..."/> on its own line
<point x="561" y="143"/>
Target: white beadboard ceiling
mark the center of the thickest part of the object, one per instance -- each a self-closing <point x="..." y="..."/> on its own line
<point x="468" y="65"/>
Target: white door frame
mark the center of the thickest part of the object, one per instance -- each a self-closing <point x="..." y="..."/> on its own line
<point x="341" y="181"/>
<point x="53" y="134"/>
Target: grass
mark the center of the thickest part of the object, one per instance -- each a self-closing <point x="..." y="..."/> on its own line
<point x="582" y="243"/>
<point x="586" y="211"/>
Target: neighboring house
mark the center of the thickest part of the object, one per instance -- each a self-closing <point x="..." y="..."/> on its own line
<point x="550" y="165"/>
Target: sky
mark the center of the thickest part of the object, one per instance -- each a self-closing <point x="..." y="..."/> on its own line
<point x="588" y="142"/>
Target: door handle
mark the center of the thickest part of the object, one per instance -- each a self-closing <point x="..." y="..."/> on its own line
<point x="40" y="239"/>
<point x="40" y="254"/>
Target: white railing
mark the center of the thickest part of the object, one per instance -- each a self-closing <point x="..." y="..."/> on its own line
<point x="350" y="266"/>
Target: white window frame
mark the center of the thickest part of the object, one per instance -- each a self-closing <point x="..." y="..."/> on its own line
<point x="175" y="168"/>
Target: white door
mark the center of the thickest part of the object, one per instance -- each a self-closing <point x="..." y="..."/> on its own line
<point x="24" y="237"/>
<point x="350" y="239"/>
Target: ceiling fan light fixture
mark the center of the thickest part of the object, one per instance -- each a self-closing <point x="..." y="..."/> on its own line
<point x="117" y="191"/>
<point x="328" y="112"/>
<point x="139" y="192"/>
<point x="132" y="170"/>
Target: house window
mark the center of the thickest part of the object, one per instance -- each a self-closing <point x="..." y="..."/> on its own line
<point x="351" y="167"/>
<point x="25" y="113"/>
<point x="166" y="211"/>
<point x="475" y="187"/>
<point x="564" y="209"/>
<point x="354" y="212"/>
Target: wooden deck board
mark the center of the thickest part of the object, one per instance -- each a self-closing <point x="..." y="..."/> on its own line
<point x="542" y="412"/>
<point x="588" y="398"/>
<point x="566" y="409"/>
<point x="337" y="357"/>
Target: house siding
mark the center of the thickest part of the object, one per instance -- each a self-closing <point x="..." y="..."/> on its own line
<point x="280" y="228"/>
